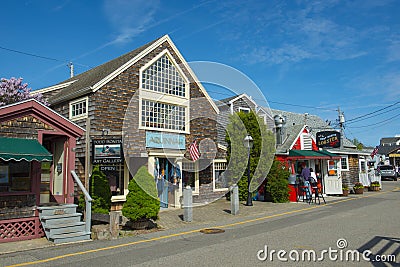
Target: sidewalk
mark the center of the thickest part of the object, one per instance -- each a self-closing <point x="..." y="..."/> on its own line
<point x="216" y="213"/>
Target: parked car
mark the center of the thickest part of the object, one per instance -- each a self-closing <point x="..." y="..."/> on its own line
<point x="388" y="172"/>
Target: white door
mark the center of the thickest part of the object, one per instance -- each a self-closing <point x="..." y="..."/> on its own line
<point x="332" y="179"/>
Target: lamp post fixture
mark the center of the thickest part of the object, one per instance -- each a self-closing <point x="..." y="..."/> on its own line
<point x="248" y="143"/>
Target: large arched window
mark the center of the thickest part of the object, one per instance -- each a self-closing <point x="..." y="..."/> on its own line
<point x="163" y="77"/>
<point x="164" y="97"/>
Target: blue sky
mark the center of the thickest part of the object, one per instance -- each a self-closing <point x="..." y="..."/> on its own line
<point x="305" y="56"/>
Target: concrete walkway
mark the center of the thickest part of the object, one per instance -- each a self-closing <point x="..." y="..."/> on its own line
<point x="205" y="216"/>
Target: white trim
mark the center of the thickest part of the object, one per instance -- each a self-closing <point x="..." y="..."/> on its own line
<point x="213" y="170"/>
<point x="125" y="66"/>
<point x="222" y="147"/>
<point x="49" y="109"/>
<point x="347" y="162"/>
<point x="297" y="137"/>
<point x="81" y="116"/>
<point x="52" y="88"/>
<point x="171" y="58"/>
<point x="247" y="110"/>
<point x="176" y="103"/>
<point x="244" y="96"/>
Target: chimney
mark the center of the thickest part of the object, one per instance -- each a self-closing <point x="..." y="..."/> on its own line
<point x="280" y="121"/>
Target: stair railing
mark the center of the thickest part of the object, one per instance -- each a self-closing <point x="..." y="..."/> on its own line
<point x="88" y="202"/>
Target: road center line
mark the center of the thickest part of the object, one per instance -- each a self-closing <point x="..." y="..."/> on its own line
<point x="194" y="231"/>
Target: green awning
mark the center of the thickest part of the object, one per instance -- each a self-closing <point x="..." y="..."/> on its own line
<point x="23" y="149"/>
<point x="311" y="154"/>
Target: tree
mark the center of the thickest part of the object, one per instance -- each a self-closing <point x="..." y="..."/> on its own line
<point x="357" y="143"/>
<point x="261" y="154"/>
<point x="13" y="90"/>
<point x="142" y="201"/>
<point x="277" y="182"/>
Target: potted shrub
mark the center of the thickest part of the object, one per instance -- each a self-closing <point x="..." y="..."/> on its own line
<point x="345" y="190"/>
<point x="142" y="204"/>
<point x="375" y="186"/>
<point x="358" y="188"/>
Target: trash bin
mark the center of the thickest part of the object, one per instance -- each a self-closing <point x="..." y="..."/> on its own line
<point x="292" y="188"/>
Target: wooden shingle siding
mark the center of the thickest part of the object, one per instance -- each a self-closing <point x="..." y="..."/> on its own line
<point x="23" y="127"/>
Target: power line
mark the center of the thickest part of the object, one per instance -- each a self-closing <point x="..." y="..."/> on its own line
<point x="32" y="55"/>
<point x="362" y="116"/>
<point x="42" y="57"/>
<point x="378" y="123"/>
<point x="374" y="115"/>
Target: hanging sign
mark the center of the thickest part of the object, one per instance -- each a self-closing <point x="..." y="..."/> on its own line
<point x="328" y="139"/>
<point x="107" y="151"/>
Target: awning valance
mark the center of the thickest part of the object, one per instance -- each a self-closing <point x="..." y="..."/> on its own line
<point x="311" y="154"/>
<point x="23" y="149"/>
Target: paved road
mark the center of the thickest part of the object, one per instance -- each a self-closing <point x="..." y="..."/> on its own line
<point x="367" y="223"/>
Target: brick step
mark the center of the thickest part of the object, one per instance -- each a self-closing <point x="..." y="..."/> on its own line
<point x="70" y="237"/>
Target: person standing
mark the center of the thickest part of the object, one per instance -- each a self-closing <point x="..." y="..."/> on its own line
<point x="306" y="174"/>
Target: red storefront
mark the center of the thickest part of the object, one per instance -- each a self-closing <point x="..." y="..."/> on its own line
<point x="36" y="159"/>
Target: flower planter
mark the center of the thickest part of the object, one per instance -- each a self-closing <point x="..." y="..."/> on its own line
<point x="358" y="190"/>
<point x="141" y="224"/>
<point x="374" y="188"/>
<point x="345" y="192"/>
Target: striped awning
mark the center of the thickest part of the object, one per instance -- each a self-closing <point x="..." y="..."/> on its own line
<point x="23" y="149"/>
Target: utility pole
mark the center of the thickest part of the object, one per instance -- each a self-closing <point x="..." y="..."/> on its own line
<point x="341" y="125"/>
<point x="71" y="69"/>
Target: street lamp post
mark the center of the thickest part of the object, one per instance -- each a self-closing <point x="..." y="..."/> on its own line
<point x="248" y="143"/>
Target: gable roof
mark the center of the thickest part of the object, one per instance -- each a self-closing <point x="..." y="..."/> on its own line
<point x="295" y="122"/>
<point x="93" y="79"/>
<point x="40" y="111"/>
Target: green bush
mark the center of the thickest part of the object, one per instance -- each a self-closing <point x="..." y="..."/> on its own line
<point x="142" y="201"/>
<point x="99" y="190"/>
<point x="277" y="182"/>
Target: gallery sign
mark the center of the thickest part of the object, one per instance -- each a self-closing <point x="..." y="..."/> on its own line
<point x="107" y="151"/>
<point x="328" y="139"/>
<point x="165" y="140"/>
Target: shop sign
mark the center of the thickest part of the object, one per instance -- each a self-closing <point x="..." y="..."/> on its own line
<point x="107" y="151"/>
<point x="328" y="139"/>
<point x="108" y="168"/>
<point x="165" y="140"/>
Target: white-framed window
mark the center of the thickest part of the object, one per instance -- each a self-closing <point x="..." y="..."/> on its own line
<point x="220" y="183"/>
<point x="344" y="162"/>
<point x="245" y="110"/>
<point x="163" y="77"/>
<point x="362" y="164"/>
<point x="163" y="116"/>
<point x="190" y="175"/>
<point x="78" y="109"/>
<point x="164" y="96"/>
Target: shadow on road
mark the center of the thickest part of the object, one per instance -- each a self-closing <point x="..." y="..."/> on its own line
<point x="385" y="250"/>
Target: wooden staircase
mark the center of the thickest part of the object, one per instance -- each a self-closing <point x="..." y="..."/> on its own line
<point x="62" y="224"/>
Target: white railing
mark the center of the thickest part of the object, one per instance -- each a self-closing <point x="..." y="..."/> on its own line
<point x="88" y="202"/>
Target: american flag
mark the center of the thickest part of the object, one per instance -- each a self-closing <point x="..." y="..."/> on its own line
<point x="374" y="152"/>
<point x="194" y="151"/>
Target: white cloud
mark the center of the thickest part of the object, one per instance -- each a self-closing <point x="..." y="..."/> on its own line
<point x="129" y="18"/>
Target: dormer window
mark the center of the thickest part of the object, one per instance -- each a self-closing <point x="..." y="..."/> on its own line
<point x="245" y="110"/>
